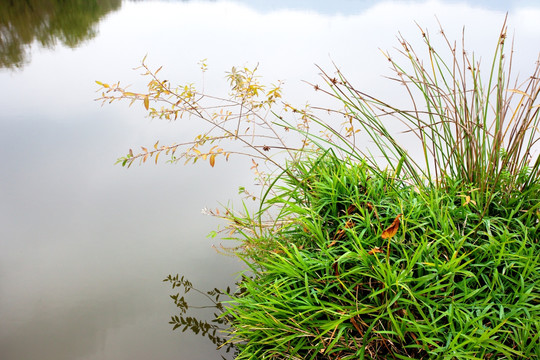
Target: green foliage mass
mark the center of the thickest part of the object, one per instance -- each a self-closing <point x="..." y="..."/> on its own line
<point x="449" y="285"/>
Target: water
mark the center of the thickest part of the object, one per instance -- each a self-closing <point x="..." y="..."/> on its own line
<point x="85" y="244"/>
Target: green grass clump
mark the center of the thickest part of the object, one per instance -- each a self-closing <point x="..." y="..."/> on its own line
<point x="450" y="284"/>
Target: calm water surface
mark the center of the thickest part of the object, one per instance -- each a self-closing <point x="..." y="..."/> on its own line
<point x="85" y="244"/>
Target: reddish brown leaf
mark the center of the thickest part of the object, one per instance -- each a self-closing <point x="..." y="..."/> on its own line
<point x="335" y="267"/>
<point x="375" y="250"/>
<point x="369" y="206"/>
<point x="392" y="229"/>
<point x="356" y="326"/>
<point x="351" y="209"/>
<point x="341" y="232"/>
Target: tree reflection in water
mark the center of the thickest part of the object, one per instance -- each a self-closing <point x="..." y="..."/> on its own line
<point x="216" y="329"/>
<point x="47" y="22"/>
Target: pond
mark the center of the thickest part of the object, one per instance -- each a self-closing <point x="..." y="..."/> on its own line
<point x="84" y="244"/>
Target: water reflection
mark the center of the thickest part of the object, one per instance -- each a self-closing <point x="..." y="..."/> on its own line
<point x="84" y="245"/>
<point x="215" y="329"/>
<point x="46" y="22"/>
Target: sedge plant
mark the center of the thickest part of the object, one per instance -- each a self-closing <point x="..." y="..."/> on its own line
<point x="479" y="129"/>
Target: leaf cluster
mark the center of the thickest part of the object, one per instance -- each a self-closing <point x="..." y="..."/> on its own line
<point x="243" y="117"/>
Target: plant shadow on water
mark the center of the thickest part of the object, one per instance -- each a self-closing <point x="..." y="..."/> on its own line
<point x="215" y="329"/>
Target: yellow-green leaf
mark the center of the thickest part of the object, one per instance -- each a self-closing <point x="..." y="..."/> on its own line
<point x="146" y="102"/>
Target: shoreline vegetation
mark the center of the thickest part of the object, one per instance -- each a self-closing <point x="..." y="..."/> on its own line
<point x="351" y="257"/>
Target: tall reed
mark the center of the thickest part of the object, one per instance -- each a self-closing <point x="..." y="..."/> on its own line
<point x="475" y="127"/>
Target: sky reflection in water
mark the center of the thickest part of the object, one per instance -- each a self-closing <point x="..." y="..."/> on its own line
<point x="84" y="244"/>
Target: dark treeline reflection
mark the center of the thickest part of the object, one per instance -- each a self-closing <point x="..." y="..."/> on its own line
<point x="47" y="22"/>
